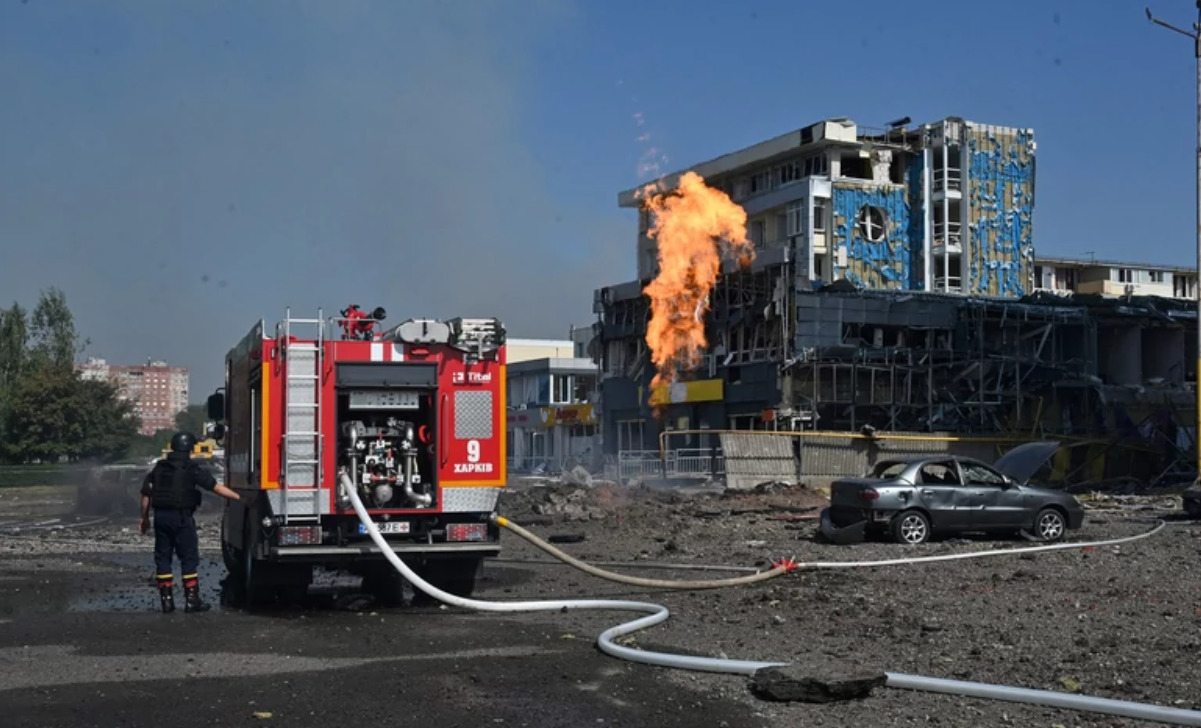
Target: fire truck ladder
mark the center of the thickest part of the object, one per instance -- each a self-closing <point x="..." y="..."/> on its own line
<point x="300" y="459"/>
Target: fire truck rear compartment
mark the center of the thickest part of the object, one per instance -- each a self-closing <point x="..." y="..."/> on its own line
<point x="386" y="429"/>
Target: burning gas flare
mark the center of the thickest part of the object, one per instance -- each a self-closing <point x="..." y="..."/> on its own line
<point x="693" y="226"/>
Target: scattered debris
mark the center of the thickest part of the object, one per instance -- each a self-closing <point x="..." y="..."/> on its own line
<point x="792" y="683"/>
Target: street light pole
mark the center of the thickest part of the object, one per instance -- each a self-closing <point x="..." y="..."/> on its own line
<point x="1196" y="37"/>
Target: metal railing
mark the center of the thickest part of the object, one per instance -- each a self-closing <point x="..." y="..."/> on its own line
<point x="948" y="283"/>
<point x="635" y="465"/>
<point x="951" y="179"/>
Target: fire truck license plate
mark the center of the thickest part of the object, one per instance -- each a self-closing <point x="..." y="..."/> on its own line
<point x="388" y="527"/>
<point x="383" y="400"/>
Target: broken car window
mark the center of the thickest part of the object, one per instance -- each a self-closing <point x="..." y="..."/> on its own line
<point x="975" y="474"/>
<point x="888" y="470"/>
<point x="939" y="474"/>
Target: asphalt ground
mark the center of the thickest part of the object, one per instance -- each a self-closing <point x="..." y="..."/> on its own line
<point x="82" y="643"/>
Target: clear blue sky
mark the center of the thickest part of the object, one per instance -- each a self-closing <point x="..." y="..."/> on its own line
<point x="181" y="169"/>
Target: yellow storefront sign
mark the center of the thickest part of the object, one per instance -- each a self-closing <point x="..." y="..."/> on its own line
<point x="567" y="414"/>
<point x="703" y="390"/>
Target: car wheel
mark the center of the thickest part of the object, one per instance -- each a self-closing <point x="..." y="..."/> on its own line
<point x="911" y="527"/>
<point x="1050" y="525"/>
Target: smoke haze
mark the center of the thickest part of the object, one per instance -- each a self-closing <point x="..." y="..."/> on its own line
<point x="181" y="170"/>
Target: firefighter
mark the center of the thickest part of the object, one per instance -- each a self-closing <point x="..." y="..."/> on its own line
<point x="171" y="488"/>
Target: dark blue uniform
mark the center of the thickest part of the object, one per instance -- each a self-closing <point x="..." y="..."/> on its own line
<point x="172" y="487"/>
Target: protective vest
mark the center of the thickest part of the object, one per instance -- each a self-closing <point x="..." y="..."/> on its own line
<point x="175" y="482"/>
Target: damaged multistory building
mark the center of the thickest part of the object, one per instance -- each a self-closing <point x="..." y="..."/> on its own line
<point x="892" y="290"/>
<point x="943" y="207"/>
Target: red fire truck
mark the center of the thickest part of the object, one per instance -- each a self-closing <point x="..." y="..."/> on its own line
<point x="412" y="417"/>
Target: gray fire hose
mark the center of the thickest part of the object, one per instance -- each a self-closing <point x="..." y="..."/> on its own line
<point x="657" y="613"/>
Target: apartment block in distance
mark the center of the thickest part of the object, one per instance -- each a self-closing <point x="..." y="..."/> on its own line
<point x="1113" y="278"/>
<point x="157" y="391"/>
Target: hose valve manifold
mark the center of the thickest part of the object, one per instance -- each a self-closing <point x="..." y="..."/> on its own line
<point x="383" y="460"/>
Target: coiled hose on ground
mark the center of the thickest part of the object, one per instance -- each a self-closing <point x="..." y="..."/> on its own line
<point x="657" y="613"/>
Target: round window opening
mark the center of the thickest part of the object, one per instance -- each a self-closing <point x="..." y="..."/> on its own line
<point x="872" y="223"/>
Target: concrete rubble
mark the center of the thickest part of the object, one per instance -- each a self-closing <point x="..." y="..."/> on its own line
<point x="1117" y="622"/>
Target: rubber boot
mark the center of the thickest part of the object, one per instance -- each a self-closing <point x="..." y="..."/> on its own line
<point x="166" y="595"/>
<point x="192" y="602"/>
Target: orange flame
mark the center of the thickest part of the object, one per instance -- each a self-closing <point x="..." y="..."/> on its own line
<point x="693" y="226"/>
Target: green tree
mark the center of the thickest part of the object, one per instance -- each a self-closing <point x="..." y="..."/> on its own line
<point x="14" y="341"/>
<point x="53" y="340"/>
<point x="109" y="422"/>
<point x="192" y="420"/>
<point x="43" y="418"/>
<point x="149" y="446"/>
<point x="56" y="415"/>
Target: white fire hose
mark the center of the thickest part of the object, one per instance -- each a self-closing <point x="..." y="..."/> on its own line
<point x="657" y="613"/>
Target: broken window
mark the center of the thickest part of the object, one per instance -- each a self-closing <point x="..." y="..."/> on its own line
<point x="796" y="218"/>
<point x="977" y="474"/>
<point x="856" y="167"/>
<point x="584" y="384"/>
<point x="820" y="206"/>
<point x="743" y="422"/>
<point x="948" y="227"/>
<point x="816" y="165"/>
<point x="872" y="223"/>
<point x="788" y="173"/>
<point x="938" y="474"/>
<point x="1065" y="279"/>
<point x="629" y="435"/>
<point x="561" y="386"/>
<point x="758" y="233"/>
<point x="1183" y="286"/>
<point x="760" y="182"/>
<point x="888" y="470"/>
<point x="896" y="169"/>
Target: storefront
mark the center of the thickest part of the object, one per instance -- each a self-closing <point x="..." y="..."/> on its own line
<point x="547" y="438"/>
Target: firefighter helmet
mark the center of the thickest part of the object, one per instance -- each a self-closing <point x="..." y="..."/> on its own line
<point x="182" y="442"/>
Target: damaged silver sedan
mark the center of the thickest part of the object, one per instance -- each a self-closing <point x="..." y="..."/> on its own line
<point x="913" y="498"/>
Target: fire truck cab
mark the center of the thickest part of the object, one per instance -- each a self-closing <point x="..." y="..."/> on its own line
<point x="411" y="417"/>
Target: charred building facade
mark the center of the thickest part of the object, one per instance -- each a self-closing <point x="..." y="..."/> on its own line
<point x="893" y="290"/>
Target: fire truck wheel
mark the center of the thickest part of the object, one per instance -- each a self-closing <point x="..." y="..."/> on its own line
<point x="456" y="576"/>
<point x="230" y="555"/>
<point x="385" y="585"/>
<point x="254" y="573"/>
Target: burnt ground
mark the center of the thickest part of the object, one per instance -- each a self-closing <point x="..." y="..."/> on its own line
<point x="79" y="639"/>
